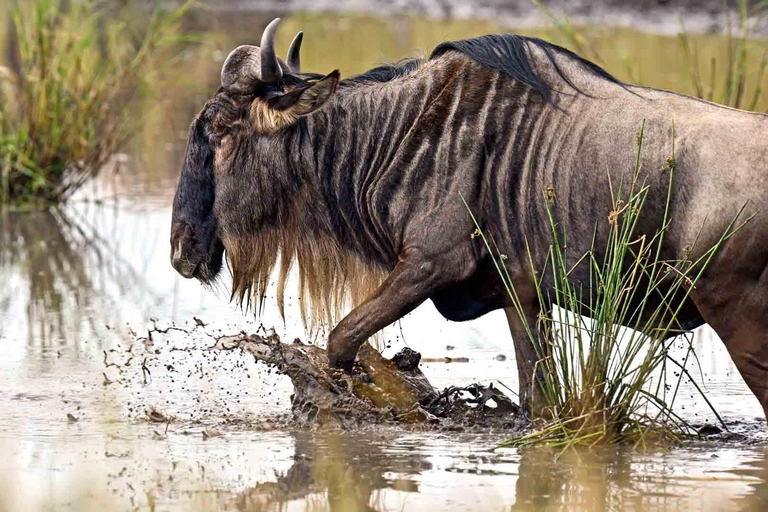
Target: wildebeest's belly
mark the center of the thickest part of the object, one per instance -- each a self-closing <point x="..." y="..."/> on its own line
<point x="471" y="298"/>
<point x="484" y="292"/>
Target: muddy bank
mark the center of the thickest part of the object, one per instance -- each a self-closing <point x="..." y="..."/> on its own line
<point x="659" y="16"/>
<point x="379" y="390"/>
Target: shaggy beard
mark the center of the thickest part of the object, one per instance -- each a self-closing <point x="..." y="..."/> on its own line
<point x="331" y="280"/>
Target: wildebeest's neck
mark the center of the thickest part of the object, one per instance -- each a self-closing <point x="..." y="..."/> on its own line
<point x="363" y="143"/>
<point x="375" y="141"/>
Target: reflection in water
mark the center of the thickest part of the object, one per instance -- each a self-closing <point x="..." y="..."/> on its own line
<point x="334" y="471"/>
<point x="66" y="280"/>
<point x="347" y="472"/>
<point x="383" y="469"/>
<point x="550" y="480"/>
<point x="48" y="262"/>
<point x="756" y="470"/>
<point x="39" y="248"/>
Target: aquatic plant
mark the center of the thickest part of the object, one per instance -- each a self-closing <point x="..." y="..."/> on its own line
<point x="596" y="381"/>
<point x="76" y="73"/>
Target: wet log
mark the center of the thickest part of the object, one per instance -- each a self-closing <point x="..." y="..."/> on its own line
<point x="377" y="390"/>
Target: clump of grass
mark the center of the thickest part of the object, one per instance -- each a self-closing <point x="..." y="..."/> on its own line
<point x="68" y="98"/>
<point x="596" y="381"/>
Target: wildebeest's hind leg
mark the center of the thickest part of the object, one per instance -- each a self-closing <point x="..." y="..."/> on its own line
<point x="413" y="280"/>
<point x="739" y="315"/>
<point x="525" y="352"/>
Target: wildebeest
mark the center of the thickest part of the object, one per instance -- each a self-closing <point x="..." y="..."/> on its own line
<point x="360" y="182"/>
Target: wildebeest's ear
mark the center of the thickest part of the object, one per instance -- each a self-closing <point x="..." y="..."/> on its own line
<point x="306" y="100"/>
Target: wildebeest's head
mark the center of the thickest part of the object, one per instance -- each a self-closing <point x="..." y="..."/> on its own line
<point x="260" y="96"/>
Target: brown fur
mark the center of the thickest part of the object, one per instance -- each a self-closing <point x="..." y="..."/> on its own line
<point x="268" y="116"/>
<point x="331" y="280"/>
<point x="265" y="119"/>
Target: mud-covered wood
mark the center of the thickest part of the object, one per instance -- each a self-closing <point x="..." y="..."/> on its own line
<point x="379" y="389"/>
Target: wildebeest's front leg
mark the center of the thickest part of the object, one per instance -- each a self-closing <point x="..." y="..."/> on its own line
<point x="413" y="280"/>
<point x="525" y="352"/>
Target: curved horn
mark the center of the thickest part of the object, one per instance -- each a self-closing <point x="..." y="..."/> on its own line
<point x="270" y="68"/>
<point x="293" y="59"/>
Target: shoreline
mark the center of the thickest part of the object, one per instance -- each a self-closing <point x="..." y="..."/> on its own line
<point x="665" y="17"/>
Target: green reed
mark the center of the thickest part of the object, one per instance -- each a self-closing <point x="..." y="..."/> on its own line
<point x="68" y="98"/>
<point x="735" y="78"/>
<point x="594" y="380"/>
<point x="735" y="72"/>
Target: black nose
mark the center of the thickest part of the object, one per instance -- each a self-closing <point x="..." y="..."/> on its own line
<point x="182" y="265"/>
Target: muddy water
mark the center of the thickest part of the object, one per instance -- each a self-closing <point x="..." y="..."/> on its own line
<point x="79" y="290"/>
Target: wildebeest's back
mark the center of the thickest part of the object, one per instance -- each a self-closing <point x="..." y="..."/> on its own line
<point x="495" y="142"/>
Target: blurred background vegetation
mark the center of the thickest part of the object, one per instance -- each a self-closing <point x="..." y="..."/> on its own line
<point x="84" y="81"/>
<point x="76" y="74"/>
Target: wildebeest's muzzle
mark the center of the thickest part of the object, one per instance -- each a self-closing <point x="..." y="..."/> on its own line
<point x="196" y="249"/>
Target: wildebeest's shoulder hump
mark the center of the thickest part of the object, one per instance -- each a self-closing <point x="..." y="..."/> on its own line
<point x="510" y="54"/>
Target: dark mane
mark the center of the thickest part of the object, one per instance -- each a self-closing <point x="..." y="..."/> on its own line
<point x="510" y="54"/>
<point x="385" y="72"/>
<point x="505" y="53"/>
